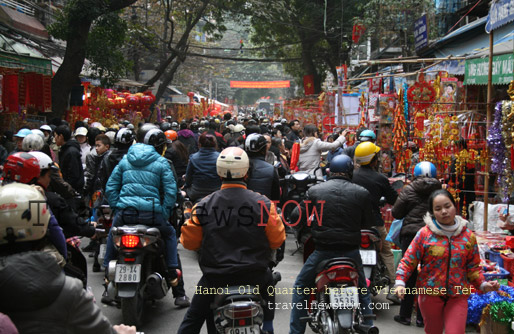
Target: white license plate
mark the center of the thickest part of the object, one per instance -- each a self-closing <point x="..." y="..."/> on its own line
<point x="243" y="330"/>
<point x="101" y="253"/>
<point x="369" y="257"/>
<point x="344" y="298"/>
<point x="128" y="273"/>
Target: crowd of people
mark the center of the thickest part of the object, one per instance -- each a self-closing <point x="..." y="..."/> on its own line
<point x="76" y="169"/>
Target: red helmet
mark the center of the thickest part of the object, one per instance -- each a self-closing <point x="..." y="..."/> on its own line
<point x="21" y="167"/>
<point x="171" y="135"/>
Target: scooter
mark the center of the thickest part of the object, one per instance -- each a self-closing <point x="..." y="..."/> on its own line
<point x="138" y="274"/>
<point x="374" y="269"/>
<point x="238" y="310"/>
<point x="334" y="304"/>
<point x="102" y="232"/>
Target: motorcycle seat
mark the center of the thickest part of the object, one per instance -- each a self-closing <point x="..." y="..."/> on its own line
<point x="236" y="293"/>
<point x="338" y="261"/>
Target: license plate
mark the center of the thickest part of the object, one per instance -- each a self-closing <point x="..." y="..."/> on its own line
<point x="369" y="257"/>
<point x="344" y="298"/>
<point x="243" y="330"/>
<point x="128" y="273"/>
<point x="101" y="253"/>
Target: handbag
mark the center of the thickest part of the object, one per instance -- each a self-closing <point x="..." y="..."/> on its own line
<point x="394" y="232"/>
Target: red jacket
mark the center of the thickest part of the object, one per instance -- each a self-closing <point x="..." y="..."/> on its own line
<point x="447" y="268"/>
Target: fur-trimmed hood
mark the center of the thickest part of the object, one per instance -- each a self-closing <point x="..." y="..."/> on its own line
<point x="458" y="219"/>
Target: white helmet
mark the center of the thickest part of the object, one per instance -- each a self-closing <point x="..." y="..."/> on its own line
<point x="24" y="214"/>
<point x="39" y="133"/>
<point x="45" y="162"/>
<point x="232" y="163"/>
<point x="32" y="142"/>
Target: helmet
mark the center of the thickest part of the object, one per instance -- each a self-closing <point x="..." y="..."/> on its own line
<point x="141" y="132"/>
<point x="232" y="163"/>
<point x="155" y="138"/>
<point x="341" y="164"/>
<point x="425" y="168"/>
<point x="81" y="131"/>
<point x="24" y="214"/>
<point x="238" y="128"/>
<point x="45" y="128"/>
<point x="365" y="152"/>
<point x="23" y="133"/>
<point x="111" y="134"/>
<point x="125" y="137"/>
<point x="39" y="133"/>
<point x="32" y="142"/>
<point x="21" y="167"/>
<point x="283" y="121"/>
<point x="367" y="135"/>
<point x="174" y="126"/>
<point x="255" y="142"/>
<point x="165" y="126"/>
<point x="194" y="126"/>
<point x="171" y="135"/>
<point x="45" y="162"/>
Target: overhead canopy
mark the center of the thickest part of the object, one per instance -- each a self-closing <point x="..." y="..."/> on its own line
<point x="22" y="22"/>
<point x="260" y="84"/>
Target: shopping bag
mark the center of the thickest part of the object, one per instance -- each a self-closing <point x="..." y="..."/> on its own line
<point x="394" y="232"/>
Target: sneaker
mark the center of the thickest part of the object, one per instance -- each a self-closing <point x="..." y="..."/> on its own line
<point x="108" y="300"/>
<point x="182" y="301"/>
<point x="402" y="320"/>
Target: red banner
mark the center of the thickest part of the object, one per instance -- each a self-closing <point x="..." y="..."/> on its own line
<point x="260" y="84"/>
<point x="357" y="32"/>
<point x="10" y="93"/>
<point x="308" y="84"/>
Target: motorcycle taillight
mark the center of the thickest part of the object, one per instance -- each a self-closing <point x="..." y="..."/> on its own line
<point x="241" y="312"/>
<point x="365" y="241"/>
<point x="130" y="241"/>
<point x="339" y="274"/>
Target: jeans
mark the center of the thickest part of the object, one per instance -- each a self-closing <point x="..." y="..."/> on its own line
<point x="306" y="279"/>
<point x="407" y="303"/>
<point x="200" y="310"/>
<point x="148" y="218"/>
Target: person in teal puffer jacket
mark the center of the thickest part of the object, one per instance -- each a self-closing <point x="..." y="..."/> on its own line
<point x="142" y="189"/>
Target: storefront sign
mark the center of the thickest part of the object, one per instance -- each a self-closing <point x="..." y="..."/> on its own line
<point x="27" y="63"/>
<point x="477" y="70"/>
<point x="501" y="12"/>
<point x="420" y="33"/>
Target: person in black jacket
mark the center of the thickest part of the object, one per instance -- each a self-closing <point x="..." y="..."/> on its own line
<point x="187" y="137"/>
<point x="263" y="177"/>
<point x="69" y="158"/>
<point x="378" y="186"/>
<point x="412" y="206"/>
<point x="346" y="209"/>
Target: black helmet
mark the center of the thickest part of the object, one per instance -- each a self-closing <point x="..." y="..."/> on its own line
<point x="165" y="126"/>
<point x="174" y="126"/>
<point x="341" y="164"/>
<point x="194" y="126"/>
<point x="124" y="137"/>
<point x="155" y="138"/>
<point x="255" y="142"/>
<point x="143" y="130"/>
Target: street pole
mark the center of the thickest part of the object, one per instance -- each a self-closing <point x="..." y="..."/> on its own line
<point x="489" y="112"/>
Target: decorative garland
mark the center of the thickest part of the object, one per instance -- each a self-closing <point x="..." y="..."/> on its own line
<point x="400" y="138"/>
<point x="481" y="305"/>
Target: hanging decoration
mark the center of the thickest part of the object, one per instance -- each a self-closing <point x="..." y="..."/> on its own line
<point x="403" y="156"/>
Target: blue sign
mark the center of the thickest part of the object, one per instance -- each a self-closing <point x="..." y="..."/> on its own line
<point x="501" y="12"/>
<point x="421" y="33"/>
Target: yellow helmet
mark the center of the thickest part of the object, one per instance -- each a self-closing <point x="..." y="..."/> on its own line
<point x="364" y="152"/>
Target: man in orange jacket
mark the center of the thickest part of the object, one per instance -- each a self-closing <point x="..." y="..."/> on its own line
<point x="236" y="230"/>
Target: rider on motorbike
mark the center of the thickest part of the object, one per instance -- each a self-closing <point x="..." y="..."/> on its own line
<point x="142" y="190"/>
<point x="347" y="210"/>
<point x="366" y="155"/>
<point x="235" y="249"/>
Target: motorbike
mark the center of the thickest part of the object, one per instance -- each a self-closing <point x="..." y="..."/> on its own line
<point x="374" y="268"/>
<point x="138" y="273"/>
<point x="238" y="310"/>
<point x="296" y="186"/>
<point x="102" y="232"/>
<point x="334" y="304"/>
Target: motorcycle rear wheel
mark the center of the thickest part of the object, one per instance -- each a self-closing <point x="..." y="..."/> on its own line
<point x="132" y="310"/>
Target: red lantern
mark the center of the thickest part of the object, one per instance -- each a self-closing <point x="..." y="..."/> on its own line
<point x="109" y="93"/>
<point x="132" y="101"/>
<point x="214" y="113"/>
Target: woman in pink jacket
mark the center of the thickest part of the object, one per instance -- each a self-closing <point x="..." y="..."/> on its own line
<point x="450" y="267"/>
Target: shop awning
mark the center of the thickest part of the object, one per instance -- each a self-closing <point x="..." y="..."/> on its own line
<point x="26" y="63"/>
<point x="477" y="70"/>
<point x="22" y="22"/>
